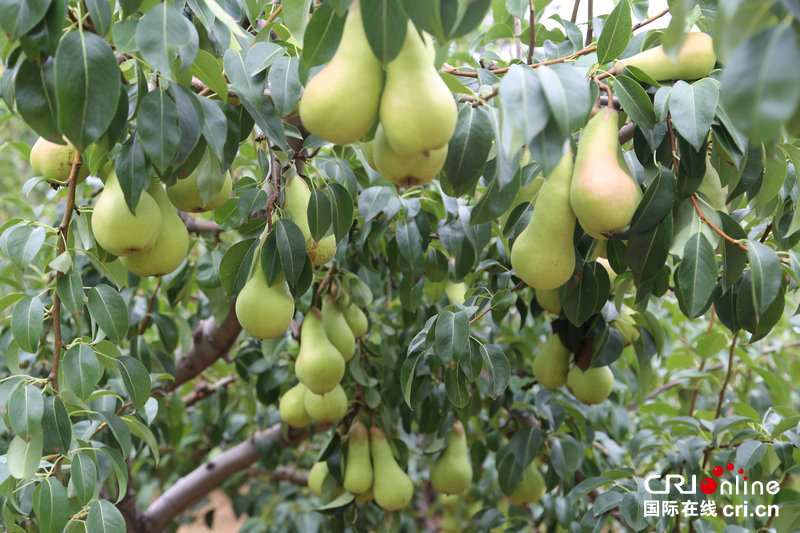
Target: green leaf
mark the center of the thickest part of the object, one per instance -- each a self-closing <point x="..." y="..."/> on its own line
<point x="372" y="201"/>
<point x="234" y="269"/>
<point x="692" y="108"/>
<point x="56" y="425"/>
<point x="17" y="18"/>
<point x="143" y="432"/>
<point x="291" y="249"/>
<point x="23" y="243"/>
<point x="523" y="102"/>
<point x="635" y="101"/>
<point x="295" y="18"/>
<point x="87" y="80"/>
<point x="385" y="24"/>
<point x="319" y="214"/>
<point x="118" y="429"/>
<point x="190" y="121"/>
<point x="35" y="96"/>
<point x="284" y="84"/>
<point x="615" y="34"/>
<point x="24" y="456"/>
<point x="83" y="476"/>
<point x="467" y="151"/>
<point x="208" y="69"/>
<point x="509" y="473"/>
<point x="100" y="12"/>
<point x="750" y="453"/>
<point x="105" y="518"/>
<point x="525" y="444"/>
<point x="766" y="274"/>
<point x="109" y="311"/>
<point x="70" y="291"/>
<point x="27" y="323"/>
<point x="455" y="386"/>
<point x="261" y="55"/>
<point x="696" y="276"/>
<point x="25" y="410"/>
<point x="568" y="95"/>
<point x="160" y="33"/>
<point x="341" y="209"/>
<point x="51" y="505"/>
<point x="452" y="335"/>
<point x="81" y="370"/>
<point x="647" y="252"/>
<point x="407" y="376"/>
<point x="656" y="203"/>
<point x="322" y="35"/>
<point x="132" y="171"/>
<point x="157" y="128"/>
<point x="497" y="369"/>
<point x="585" y="294"/>
<point x="120" y="469"/>
<point x="136" y="380"/>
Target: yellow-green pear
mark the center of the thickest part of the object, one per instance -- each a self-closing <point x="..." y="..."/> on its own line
<point x="551" y="365"/>
<point x="712" y="189"/>
<point x="170" y="247"/>
<point x="457" y="292"/>
<point x="418" y="112"/>
<point x="358" y="469"/>
<point x="450" y="502"/>
<point x="264" y="311"/>
<point x="364" y="497"/>
<point x="319" y="364"/>
<point x="316" y="477"/>
<point x="452" y="471"/>
<point x="295" y="205"/>
<point x="391" y="488"/>
<point x="357" y="320"/>
<point x="695" y="60"/>
<point x="406" y="170"/>
<point x="543" y="255"/>
<point x="336" y="328"/>
<point x="591" y="387"/>
<point x="627" y="326"/>
<point x="340" y="103"/>
<point x="531" y="487"/>
<point x="293" y="407"/>
<point x="54" y="161"/>
<point x="118" y="230"/>
<point x="326" y="408"/>
<point x="185" y="195"/>
<point x="549" y="300"/>
<point x="603" y="195"/>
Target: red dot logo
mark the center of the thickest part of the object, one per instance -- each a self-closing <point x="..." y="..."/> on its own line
<point x="741" y="470"/>
<point x="708" y="486"/>
<point x="717" y="471"/>
<point x="729" y="466"/>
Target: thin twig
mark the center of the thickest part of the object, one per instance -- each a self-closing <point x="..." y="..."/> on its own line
<point x="273" y="15"/>
<point x="589" y="23"/>
<point x="517" y="287"/>
<point x="731" y="354"/>
<point x="150" y="305"/>
<point x="532" y="34"/>
<point x="574" y="16"/>
<point x="713" y="227"/>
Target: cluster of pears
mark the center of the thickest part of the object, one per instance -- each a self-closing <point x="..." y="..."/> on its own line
<point x="370" y="470"/>
<point x="551" y="368"/>
<point x="416" y="109"/>
<point x="54" y="161"/>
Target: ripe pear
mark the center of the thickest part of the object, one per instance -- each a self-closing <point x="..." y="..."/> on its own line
<point x="406" y="170"/>
<point x="316" y="477"/>
<point x="695" y="60"/>
<point x="296" y="208"/>
<point x="549" y="300"/>
<point x="358" y="469"/>
<point x="531" y="487"/>
<point x="186" y="196"/>
<point x="712" y="189"/>
<point x="340" y="103"/>
<point x="118" y="230"/>
<point x="357" y="320"/>
<point x="319" y="365"/>
<point x="452" y="471"/>
<point x="264" y="311"/>
<point x="591" y="387"/>
<point x="328" y="407"/>
<point x="170" y="247"/>
<point x="336" y="328"/>
<point x="603" y="195"/>
<point x="54" y="161"/>
<point x="418" y="112"/>
<point x="543" y="255"/>
<point x="551" y="365"/>
<point x="392" y="488"/>
<point x="292" y="407"/>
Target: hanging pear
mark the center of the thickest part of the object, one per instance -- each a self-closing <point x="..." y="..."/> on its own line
<point x="54" y="161"/>
<point x="293" y="407"/>
<point x="551" y="365"/>
<point x="549" y="300"/>
<point x="406" y="170"/>
<point x="185" y="194"/>
<point x="357" y="320"/>
<point x="264" y="311"/>
<point x="319" y="364"/>
<point x="118" y="230"/>
<point x="170" y="247"/>
<point x="326" y="408"/>
<point x="337" y="329"/>
<point x="531" y="487"/>
<point x="418" y="112"/>
<point x="695" y="60"/>
<point x="316" y="477"/>
<point x="297" y="197"/>
<point x="603" y="194"/>
<point x="592" y="386"/>
<point x="452" y="471"/>
<point x="358" y="469"/>
<point x="391" y="488"/>
<point x="340" y="103"/>
<point x="543" y="255"/>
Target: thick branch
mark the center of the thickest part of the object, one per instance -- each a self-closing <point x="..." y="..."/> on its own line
<point x="195" y="225"/>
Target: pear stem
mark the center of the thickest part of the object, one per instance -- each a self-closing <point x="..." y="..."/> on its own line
<point x="517" y="287"/>
<point x="150" y="305"/>
<point x="324" y="283"/>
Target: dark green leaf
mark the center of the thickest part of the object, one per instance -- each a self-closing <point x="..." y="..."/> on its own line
<point x="692" y="108"/>
<point x="158" y="129"/>
<point x="372" y="201"/>
<point x="766" y="275"/>
<point x="525" y="444"/>
<point x="319" y="214"/>
<point x="497" y="369"/>
<point x="635" y="101"/>
<point x="385" y="24"/>
<point x="56" y="425"/>
<point x="452" y="335"/>
<point x="109" y="311"/>
<point x="291" y="249"/>
<point x="104" y="517"/>
<point x="523" y="102"/>
<point x="322" y="35"/>
<point x="160" y="33"/>
<point x="25" y="410"/>
<point x="119" y="430"/>
<point x="234" y="269"/>
<point x="131" y="169"/>
<point x="83" y="476"/>
<point x="51" y="505"/>
<point x="696" y="276"/>
<point x="647" y="252"/>
<point x="656" y="203"/>
<point x="341" y="209"/>
<point x="467" y="150"/>
<point x="586" y="293"/>
<point x="35" y="96"/>
<point x="136" y="380"/>
<point x="455" y="385"/>
<point x="27" y="323"/>
<point x="568" y="95"/>
<point x="17" y="18"/>
<point x="734" y="259"/>
<point x="81" y="370"/>
<point x="616" y="33"/>
<point x="100" y="12"/>
<point x="284" y="84"/>
<point x="70" y="291"/>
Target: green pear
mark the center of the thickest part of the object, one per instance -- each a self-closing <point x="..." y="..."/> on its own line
<point x="358" y="469"/>
<point x="531" y="487"/>
<point x="549" y="300"/>
<point x="118" y="230"/>
<point x="627" y="326"/>
<point x="264" y="311"/>
<point x="316" y="477"/>
<point x="450" y="502"/>
<point x="340" y="103"/>
<point x="452" y="471"/>
<point x="186" y="196"/>
<point x="54" y="161"/>
<point x="326" y="408"/>
<point x="712" y="189"/>
<point x="292" y="407"/>
<point x="695" y="60"/>
<point x="295" y="205"/>
<point x="392" y="488"/>
<point x="319" y="365"/>
<point x="406" y="170"/>
<point x="170" y="247"/>
<point x="456" y="292"/>
<point x="357" y="320"/>
<point x="364" y="497"/>
<point x="418" y="112"/>
<point x="337" y="329"/>
<point x="543" y="255"/>
<point x="551" y="365"/>
<point x="603" y="195"/>
<point x="591" y="387"/>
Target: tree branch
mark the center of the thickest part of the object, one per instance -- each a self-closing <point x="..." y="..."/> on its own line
<point x="202" y="390"/>
<point x="194" y="225"/>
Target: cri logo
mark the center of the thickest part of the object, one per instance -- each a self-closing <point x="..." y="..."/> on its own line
<point x="709" y="485"/>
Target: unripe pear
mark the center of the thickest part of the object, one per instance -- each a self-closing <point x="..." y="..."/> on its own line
<point x="357" y="320"/>
<point x="452" y="471"/>
<point x="358" y="469"/>
<point x="531" y="487"/>
<point x="591" y="387"/>
<point x="170" y="247"/>
<point x="340" y="103"/>
<point x="295" y="206"/>
<point x="449" y="502"/>
<point x="549" y="300"/>
<point x="336" y="328"/>
<point x="551" y="365"/>
<point x="316" y="477"/>
<point x="319" y="365"/>
<point x="543" y="255"/>
<point x="364" y="497"/>
<point x="695" y="60"/>
<point x="626" y="324"/>
<point x="292" y="407"/>
<point x="391" y="488"/>
<point x="185" y="195"/>
<point x="265" y="311"/>
<point x="54" y="161"/>
<point x="326" y="408"/>
<point x="118" y="230"/>
<point x="406" y="170"/>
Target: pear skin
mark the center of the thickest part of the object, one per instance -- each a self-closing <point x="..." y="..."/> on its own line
<point x="185" y="195"/>
<point x="404" y="170"/>
<point x="54" y="161"/>
<point x="340" y="103"/>
<point x="357" y="320"/>
<point x="118" y="230"/>
<point x="695" y="60"/>
<point x="297" y="197"/>
<point x="319" y="364"/>
<point x="364" y="497"/>
<point x="591" y="387"/>
<point x="358" y="469"/>
<point x="543" y="255"/>
<point x="551" y="365"/>
<point x="337" y="329"/>
<point x="292" y="407"/>
<point x="452" y="471"/>
<point x="531" y="487"/>
<point x="391" y="488"/>
<point x="264" y="311"/>
<point x="603" y="195"/>
<point x="316" y="477"/>
<point x="418" y="112"/>
<point x="326" y="408"/>
<point x="549" y="301"/>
